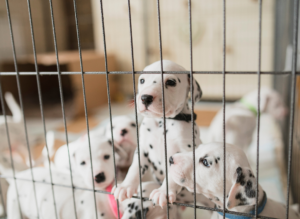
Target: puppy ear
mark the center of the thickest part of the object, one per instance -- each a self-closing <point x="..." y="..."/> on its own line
<point x="196" y="89"/>
<point x="243" y="190"/>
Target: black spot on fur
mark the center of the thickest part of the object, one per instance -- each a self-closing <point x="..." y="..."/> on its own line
<point x="240" y="176"/>
<point x="217" y="199"/>
<point x="159" y="162"/>
<point x="161" y="172"/>
<point x="182" y="195"/>
<point x="132" y="206"/>
<point x="189" y="145"/>
<point x="146" y="167"/>
<point x="151" y="146"/>
<point x="138" y="214"/>
<point x="149" y="130"/>
<point x="102" y="214"/>
<point x="145" y="154"/>
<point x="216" y="161"/>
<point x="154" y="82"/>
<point x="109" y="142"/>
<point x="82" y="201"/>
<point x="144" y="190"/>
<point x="179" y="80"/>
<point x="218" y="158"/>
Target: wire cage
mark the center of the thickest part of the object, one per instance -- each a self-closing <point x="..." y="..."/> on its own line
<point x="291" y="125"/>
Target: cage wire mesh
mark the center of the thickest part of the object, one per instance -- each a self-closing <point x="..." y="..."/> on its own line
<point x="293" y="140"/>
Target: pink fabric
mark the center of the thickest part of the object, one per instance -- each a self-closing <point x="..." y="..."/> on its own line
<point x="113" y="202"/>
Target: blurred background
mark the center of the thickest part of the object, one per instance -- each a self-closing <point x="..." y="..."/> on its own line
<point x="242" y="19"/>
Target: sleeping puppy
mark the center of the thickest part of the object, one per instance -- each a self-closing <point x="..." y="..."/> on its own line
<point x="178" y="128"/>
<point x="240" y="180"/>
<point x="102" y="177"/>
<point x="245" y="112"/>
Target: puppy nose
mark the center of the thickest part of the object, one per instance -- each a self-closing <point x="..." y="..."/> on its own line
<point x="171" y="161"/>
<point x="147" y="99"/>
<point x="123" y="132"/>
<point x="99" y="178"/>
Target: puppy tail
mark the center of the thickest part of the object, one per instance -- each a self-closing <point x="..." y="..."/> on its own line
<point x="13" y="106"/>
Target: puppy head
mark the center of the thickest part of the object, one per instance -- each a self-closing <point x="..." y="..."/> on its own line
<point x="102" y="157"/>
<point x="240" y="181"/>
<point x="176" y="90"/>
<point x="271" y="102"/>
<point x="124" y="131"/>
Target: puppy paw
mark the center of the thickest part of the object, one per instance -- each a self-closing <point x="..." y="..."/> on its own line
<point x="159" y="197"/>
<point x="123" y="192"/>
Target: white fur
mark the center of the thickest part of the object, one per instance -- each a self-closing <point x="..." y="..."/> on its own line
<point x="241" y="122"/>
<point x="178" y="136"/>
<point x="209" y="180"/>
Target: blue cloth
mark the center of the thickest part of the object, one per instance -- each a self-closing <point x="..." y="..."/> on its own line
<point x="260" y="208"/>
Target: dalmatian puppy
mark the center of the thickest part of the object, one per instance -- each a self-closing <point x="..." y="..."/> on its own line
<point x="245" y="112"/>
<point x="124" y="133"/>
<point x="102" y="177"/>
<point x="240" y="180"/>
<point x="178" y="128"/>
<point x="17" y="143"/>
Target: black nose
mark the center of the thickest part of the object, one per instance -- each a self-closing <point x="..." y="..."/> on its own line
<point x="123" y="132"/>
<point x="99" y="178"/>
<point x="147" y="99"/>
<point x="171" y="161"/>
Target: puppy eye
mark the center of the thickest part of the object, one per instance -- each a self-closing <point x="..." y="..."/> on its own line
<point x="204" y="161"/>
<point x="82" y="163"/>
<point x="106" y="157"/>
<point x="142" y="81"/>
<point x="171" y="83"/>
<point x="133" y="125"/>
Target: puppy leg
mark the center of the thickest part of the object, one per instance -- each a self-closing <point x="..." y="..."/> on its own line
<point x="158" y="196"/>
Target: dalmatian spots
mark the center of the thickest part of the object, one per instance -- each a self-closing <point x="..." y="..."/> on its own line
<point x="189" y="146"/>
<point x="161" y="172"/>
<point x="146" y="154"/>
<point x="102" y="215"/>
<point x="82" y="202"/>
<point x="179" y="80"/>
<point x="150" y="145"/>
<point x="149" y="130"/>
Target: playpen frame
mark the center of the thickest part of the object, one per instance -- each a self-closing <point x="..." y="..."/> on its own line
<point x="17" y="73"/>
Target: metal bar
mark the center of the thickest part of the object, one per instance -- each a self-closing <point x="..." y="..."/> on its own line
<point x="108" y="99"/>
<point x="192" y="99"/>
<point x="21" y="101"/>
<point x="84" y="101"/>
<point x="41" y="101"/>
<point x="153" y="72"/>
<point x="224" y="105"/>
<point x="145" y="199"/>
<point x="163" y="103"/>
<point x="2" y="201"/>
<point x="135" y="107"/>
<point x="292" y="106"/>
<point x="258" y="104"/>
<point x="62" y="104"/>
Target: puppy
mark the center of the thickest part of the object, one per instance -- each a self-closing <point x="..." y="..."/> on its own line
<point x="178" y="128"/>
<point x="124" y="133"/>
<point x="240" y="180"/>
<point x="244" y="112"/>
<point x="17" y="143"/>
<point x="102" y="177"/>
<point x="125" y="142"/>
